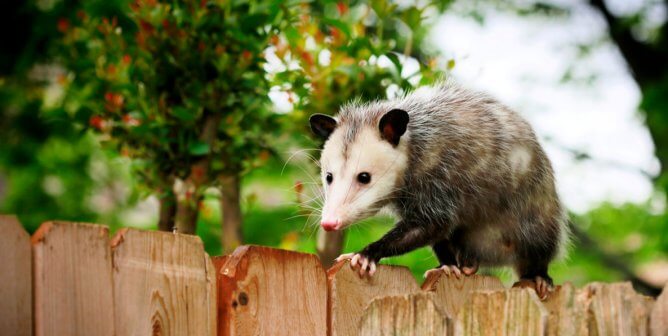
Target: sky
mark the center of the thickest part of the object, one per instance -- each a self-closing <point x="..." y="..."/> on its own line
<point x="522" y="60"/>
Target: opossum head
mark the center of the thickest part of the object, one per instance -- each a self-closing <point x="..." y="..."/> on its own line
<point x="362" y="164"/>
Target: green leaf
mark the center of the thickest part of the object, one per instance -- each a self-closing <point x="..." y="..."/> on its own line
<point x="183" y="114"/>
<point x="198" y="148"/>
<point x="344" y="28"/>
<point x="395" y="60"/>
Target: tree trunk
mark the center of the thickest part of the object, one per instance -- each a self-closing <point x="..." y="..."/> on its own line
<point x="231" y="212"/>
<point x="330" y="245"/>
<point x="167" y="210"/>
<point x="187" y="207"/>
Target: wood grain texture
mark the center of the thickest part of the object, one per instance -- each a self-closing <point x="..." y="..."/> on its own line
<point x="507" y="312"/>
<point x="349" y="294"/>
<point x="565" y="315"/>
<point x="452" y="293"/>
<point x="163" y="284"/>
<point x="406" y="315"/>
<point x="15" y="278"/>
<point x="265" y="291"/>
<point x="614" y="309"/>
<point x="72" y="280"/>
<point x="221" y="312"/>
<point x="659" y="315"/>
<point x="212" y="297"/>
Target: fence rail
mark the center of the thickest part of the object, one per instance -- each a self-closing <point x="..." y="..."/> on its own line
<point x="73" y="279"/>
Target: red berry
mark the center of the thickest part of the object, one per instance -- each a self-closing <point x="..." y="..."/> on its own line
<point x="343" y="8"/>
<point x="63" y="25"/>
<point x="96" y="122"/>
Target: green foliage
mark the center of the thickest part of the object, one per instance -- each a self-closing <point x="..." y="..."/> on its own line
<point x="341" y="47"/>
<point x="172" y="83"/>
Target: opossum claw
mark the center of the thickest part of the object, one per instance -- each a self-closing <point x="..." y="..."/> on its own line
<point x="345" y="256"/>
<point x="447" y="269"/>
<point x="353" y="261"/>
<point x="372" y="268"/>
<point x="541" y="285"/>
<point x="365" y="263"/>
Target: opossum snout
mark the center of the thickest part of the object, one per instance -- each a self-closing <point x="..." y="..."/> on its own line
<point x="330" y="225"/>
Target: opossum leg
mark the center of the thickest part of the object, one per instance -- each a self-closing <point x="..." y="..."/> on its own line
<point x="534" y="274"/>
<point x="402" y="238"/>
<point x="445" y="252"/>
<point x="452" y="261"/>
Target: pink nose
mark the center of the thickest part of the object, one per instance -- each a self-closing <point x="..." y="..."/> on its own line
<point x="330" y="225"/>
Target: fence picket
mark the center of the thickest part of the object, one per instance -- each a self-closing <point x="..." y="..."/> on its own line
<point x="72" y="280"/>
<point x="265" y="291"/>
<point x="614" y="309"/>
<point x="565" y="315"/>
<point x="504" y="313"/>
<point x="659" y="315"/>
<point x="452" y="292"/>
<point x="409" y="315"/>
<point x="162" y="284"/>
<point x="15" y="278"/>
<point x="349" y="294"/>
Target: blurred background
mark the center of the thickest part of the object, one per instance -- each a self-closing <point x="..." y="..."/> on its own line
<point x="192" y="115"/>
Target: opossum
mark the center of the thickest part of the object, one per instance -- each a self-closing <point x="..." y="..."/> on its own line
<point x="463" y="173"/>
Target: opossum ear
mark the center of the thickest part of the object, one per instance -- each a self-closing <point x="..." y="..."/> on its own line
<point x="393" y="125"/>
<point x="322" y="125"/>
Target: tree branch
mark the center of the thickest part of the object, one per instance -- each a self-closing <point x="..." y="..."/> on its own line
<point x="646" y="62"/>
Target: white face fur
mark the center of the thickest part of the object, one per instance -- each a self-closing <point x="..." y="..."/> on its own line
<point x="358" y="184"/>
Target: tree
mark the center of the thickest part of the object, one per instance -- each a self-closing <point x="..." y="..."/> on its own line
<point x="647" y="60"/>
<point x="180" y="88"/>
<point x="47" y="166"/>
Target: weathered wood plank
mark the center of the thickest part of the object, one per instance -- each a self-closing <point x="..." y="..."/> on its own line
<point x="614" y="309"/>
<point x="507" y="312"/>
<point x="265" y="291"/>
<point x="212" y="297"/>
<point x="15" y="278"/>
<point x="349" y="294"/>
<point x="565" y="314"/>
<point x="406" y="315"/>
<point x="452" y="293"/>
<point x="221" y="311"/>
<point x="659" y="315"/>
<point x="162" y="284"/>
<point x="72" y="280"/>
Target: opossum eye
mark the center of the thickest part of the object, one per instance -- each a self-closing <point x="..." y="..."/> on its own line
<point x="329" y="178"/>
<point x="364" y="178"/>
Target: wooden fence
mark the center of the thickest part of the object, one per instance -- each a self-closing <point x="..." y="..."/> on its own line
<point x="72" y="279"/>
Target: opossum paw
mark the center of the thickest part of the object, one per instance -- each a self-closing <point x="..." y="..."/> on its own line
<point x="542" y="286"/>
<point x="470" y="270"/>
<point x="365" y="264"/>
<point x="447" y="269"/>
